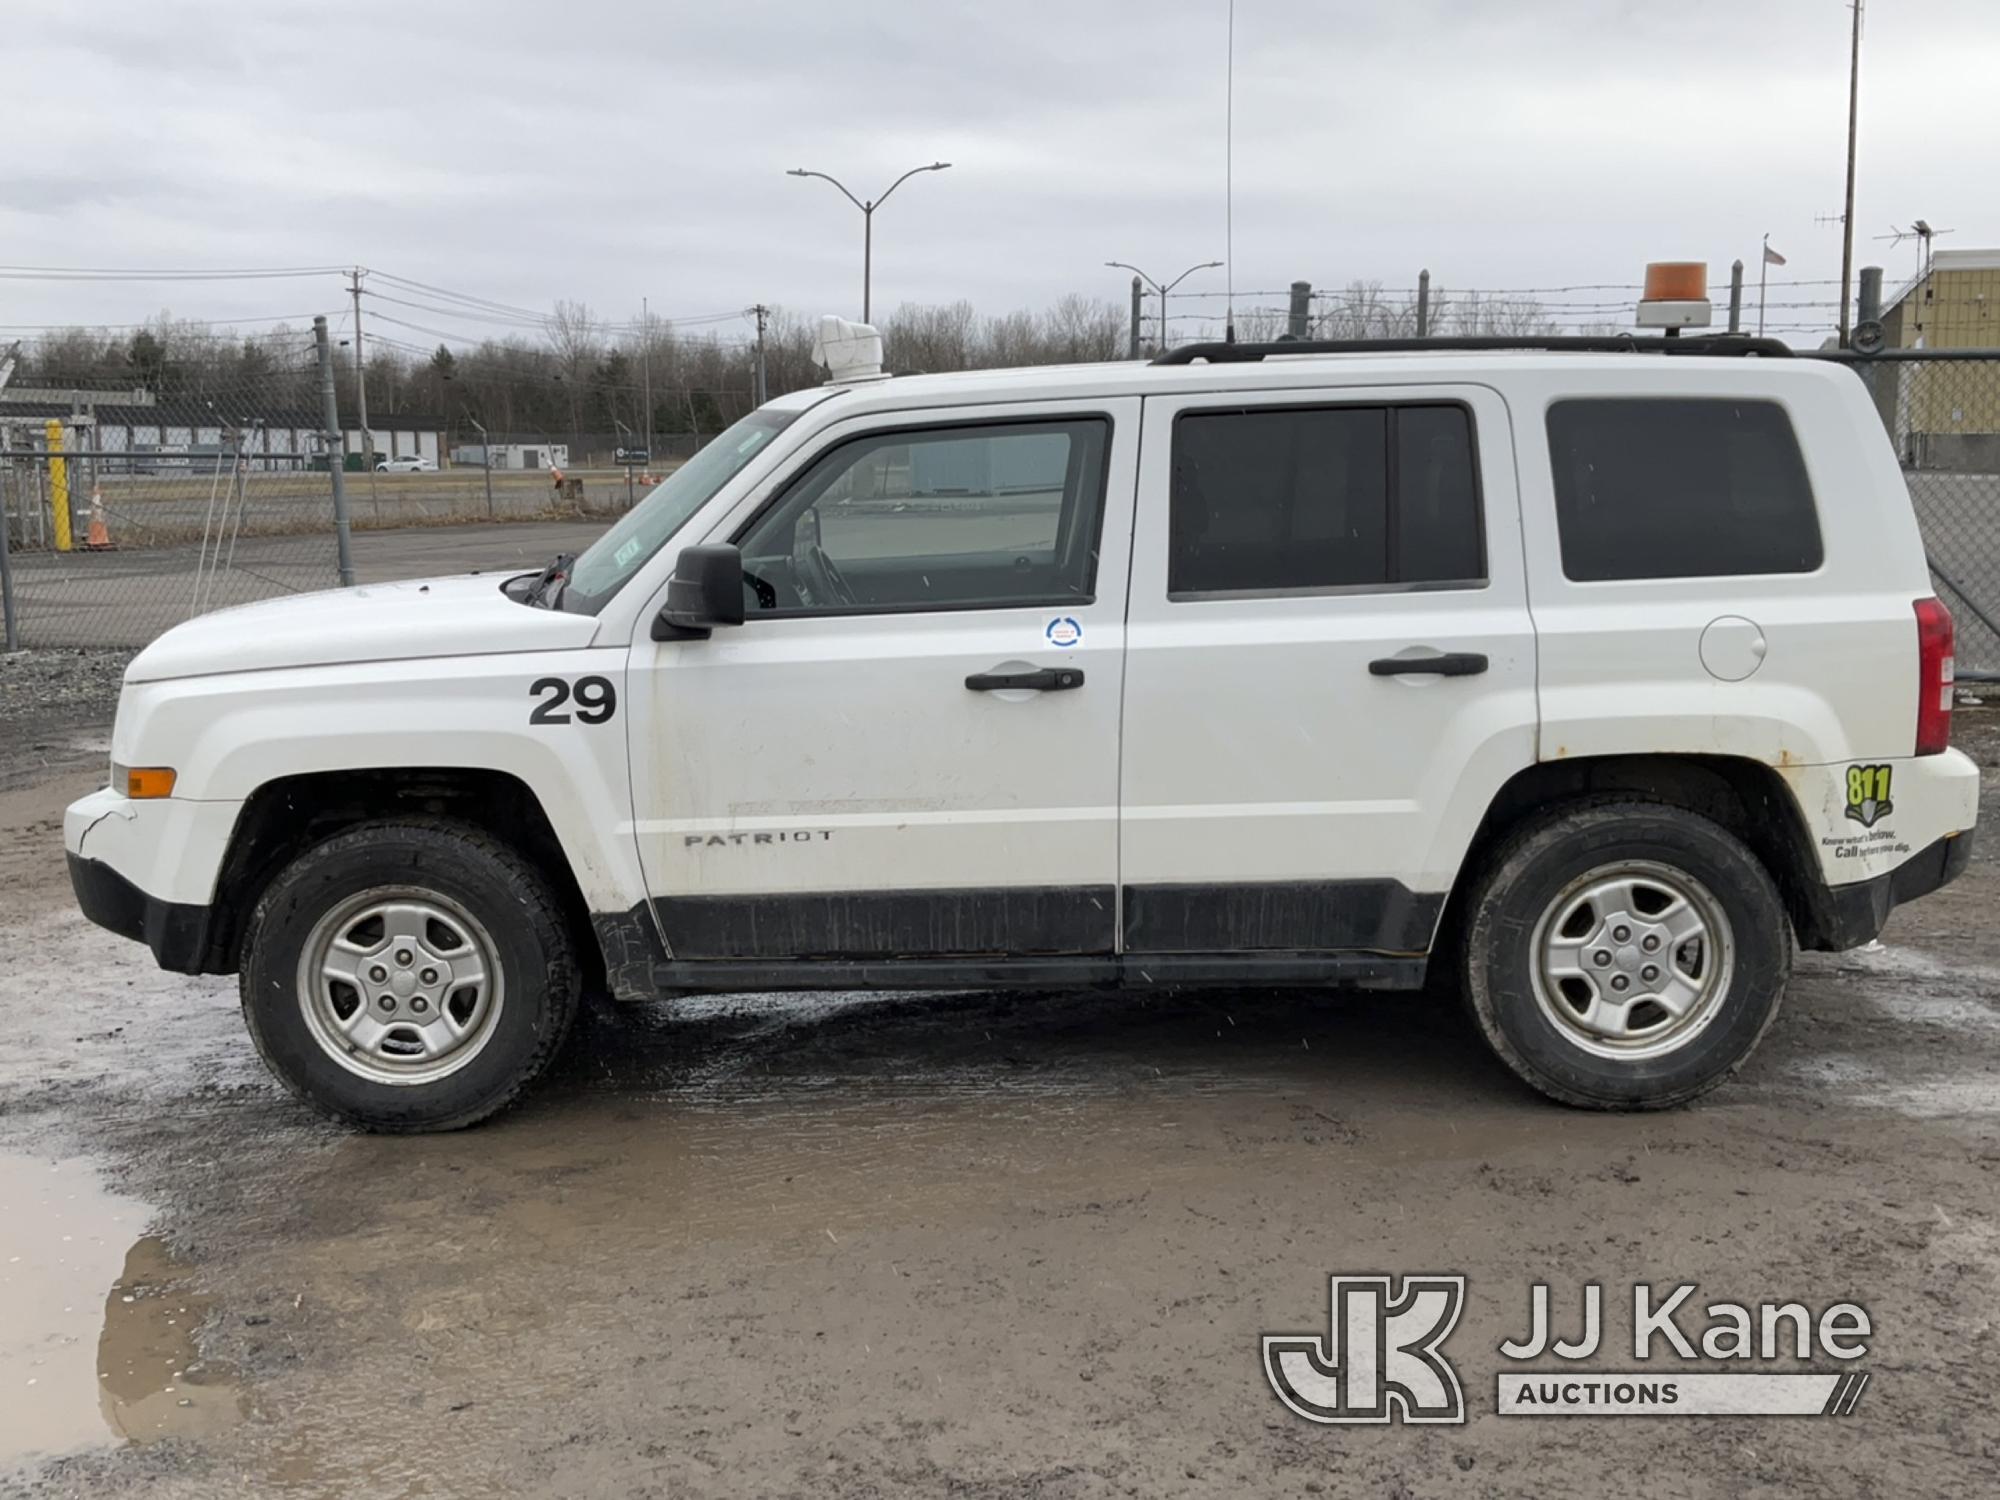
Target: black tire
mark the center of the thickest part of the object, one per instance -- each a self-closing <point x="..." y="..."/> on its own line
<point x="1542" y="861"/>
<point x="492" y="883"/>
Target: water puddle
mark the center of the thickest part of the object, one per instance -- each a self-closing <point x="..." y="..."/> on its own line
<point x="79" y="1365"/>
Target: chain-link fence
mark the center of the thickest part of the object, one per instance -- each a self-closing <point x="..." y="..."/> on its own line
<point x="1941" y="409"/>
<point x="125" y="512"/>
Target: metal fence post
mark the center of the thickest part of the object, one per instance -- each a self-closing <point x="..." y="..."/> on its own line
<point x="336" y="451"/>
<point x="12" y="631"/>
<point x="1423" y="304"/>
<point x="1870" y="310"/>
<point x="1300" y="312"/>
<point x="1736" y="297"/>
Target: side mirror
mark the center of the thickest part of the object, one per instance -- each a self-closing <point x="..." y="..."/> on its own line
<point x="706" y="590"/>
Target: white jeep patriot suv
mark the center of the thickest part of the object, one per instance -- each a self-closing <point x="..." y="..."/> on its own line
<point x="1594" y="675"/>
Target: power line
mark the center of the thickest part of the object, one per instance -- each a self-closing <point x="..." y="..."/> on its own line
<point x="189" y="273"/>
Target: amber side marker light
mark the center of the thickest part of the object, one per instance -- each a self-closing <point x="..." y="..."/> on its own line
<point x="149" y="781"/>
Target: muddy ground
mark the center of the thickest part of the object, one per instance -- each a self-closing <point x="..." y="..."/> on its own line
<point x="952" y="1245"/>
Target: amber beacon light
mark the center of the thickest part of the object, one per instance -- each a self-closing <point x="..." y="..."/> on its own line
<point x="1676" y="295"/>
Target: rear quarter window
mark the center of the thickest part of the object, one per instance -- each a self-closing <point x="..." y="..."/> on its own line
<point x="1680" y="488"/>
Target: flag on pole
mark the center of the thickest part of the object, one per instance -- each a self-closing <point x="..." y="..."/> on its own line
<point x="1772" y="258"/>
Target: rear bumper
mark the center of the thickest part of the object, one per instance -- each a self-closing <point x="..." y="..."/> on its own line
<point x="1846" y="916"/>
<point x="177" y="933"/>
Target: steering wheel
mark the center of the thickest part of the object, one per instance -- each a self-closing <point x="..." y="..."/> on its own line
<point x="822" y="577"/>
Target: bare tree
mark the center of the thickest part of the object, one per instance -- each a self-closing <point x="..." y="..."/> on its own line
<point x="1079" y="329"/>
<point x="1261" y="325"/>
<point x="1501" y="315"/>
<point x="919" y="338"/>
<point x="574" y="336"/>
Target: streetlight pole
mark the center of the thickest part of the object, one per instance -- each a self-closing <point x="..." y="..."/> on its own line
<point x="868" y="220"/>
<point x="1207" y="265"/>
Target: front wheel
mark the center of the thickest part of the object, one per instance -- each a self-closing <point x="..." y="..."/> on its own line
<point x="1625" y="955"/>
<point x="408" y="976"/>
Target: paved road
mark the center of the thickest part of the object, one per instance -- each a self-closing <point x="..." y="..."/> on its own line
<point x="127" y="598"/>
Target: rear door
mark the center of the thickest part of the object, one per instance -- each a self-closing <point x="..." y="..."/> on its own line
<point x="1330" y="665"/>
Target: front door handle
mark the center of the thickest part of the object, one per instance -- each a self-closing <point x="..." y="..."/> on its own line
<point x="1045" y="680"/>
<point x="1450" y="664"/>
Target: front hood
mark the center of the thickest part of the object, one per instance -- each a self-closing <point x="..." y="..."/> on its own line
<point x="463" y="616"/>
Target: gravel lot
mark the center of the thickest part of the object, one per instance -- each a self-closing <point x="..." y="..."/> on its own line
<point x="972" y="1245"/>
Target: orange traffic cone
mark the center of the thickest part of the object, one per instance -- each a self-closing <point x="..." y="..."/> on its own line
<point x="99" y="537"/>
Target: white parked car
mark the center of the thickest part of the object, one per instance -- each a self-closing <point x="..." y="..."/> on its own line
<point x="408" y="464"/>
<point x="1595" y="680"/>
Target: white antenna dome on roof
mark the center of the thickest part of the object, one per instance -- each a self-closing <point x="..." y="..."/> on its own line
<point x="850" y="351"/>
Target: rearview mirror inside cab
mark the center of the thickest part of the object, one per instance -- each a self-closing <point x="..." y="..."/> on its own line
<point x="706" y="590"/>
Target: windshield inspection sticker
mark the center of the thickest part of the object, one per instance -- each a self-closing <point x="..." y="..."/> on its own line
<point x="627" y="552"/>
<point x="1064" y="632"/>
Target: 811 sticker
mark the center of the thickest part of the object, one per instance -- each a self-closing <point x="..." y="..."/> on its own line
<point x="1868" y="794"/>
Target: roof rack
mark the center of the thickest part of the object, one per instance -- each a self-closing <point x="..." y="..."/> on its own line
<point x="1618" y="343"/>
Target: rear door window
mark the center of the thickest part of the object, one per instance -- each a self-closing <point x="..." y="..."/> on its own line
<point x="1311" y="499"/>
<point x="1680" y="488"/>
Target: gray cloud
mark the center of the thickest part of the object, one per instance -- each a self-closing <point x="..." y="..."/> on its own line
<point x="604" y="151"/>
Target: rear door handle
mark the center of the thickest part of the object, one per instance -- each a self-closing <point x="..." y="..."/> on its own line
<point x="1450" y="664"/>
<point x="1045" y="680"/>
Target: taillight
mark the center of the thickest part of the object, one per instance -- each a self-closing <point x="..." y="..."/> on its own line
<point x="1937" y="675"/>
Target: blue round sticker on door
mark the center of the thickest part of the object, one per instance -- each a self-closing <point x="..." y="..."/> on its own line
<point x="1064" y="631"/>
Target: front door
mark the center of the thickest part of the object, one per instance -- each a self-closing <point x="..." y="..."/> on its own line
<point x="1330" y="665"/>
<point x="910" y="748"/>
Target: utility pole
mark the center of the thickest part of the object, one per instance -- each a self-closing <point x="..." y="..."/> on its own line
<point x="1847" y="213"/>
<point x="762" y="390"/>
<point x="336" y="451"/>
<point x="361" y="378"/>
<point x="645" y="377"/>
<point x="1138" y="312"/>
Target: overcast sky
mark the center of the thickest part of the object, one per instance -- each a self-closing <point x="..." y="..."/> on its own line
<point x="607" y="149"/>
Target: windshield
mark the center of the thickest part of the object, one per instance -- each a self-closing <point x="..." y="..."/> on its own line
<point x="614" y="557"/>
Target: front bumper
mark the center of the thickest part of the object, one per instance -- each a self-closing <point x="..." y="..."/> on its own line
<point x="148" y="870"/>
<point x="177" y="933"/>
<point x="1847" y="916"/>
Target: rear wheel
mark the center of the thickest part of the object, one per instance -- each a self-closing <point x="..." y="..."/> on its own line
<point x="408" y="976"/>
<point x="1625" y="955"/>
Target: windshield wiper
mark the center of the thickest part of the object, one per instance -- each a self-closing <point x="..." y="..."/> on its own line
<point x="556" y="573"/>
